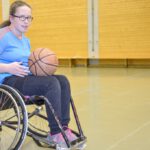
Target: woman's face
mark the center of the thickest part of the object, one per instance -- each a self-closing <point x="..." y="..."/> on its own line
<point x="21" y="20"/>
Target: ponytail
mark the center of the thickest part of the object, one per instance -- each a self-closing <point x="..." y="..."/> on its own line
<point x="5" y="23"/>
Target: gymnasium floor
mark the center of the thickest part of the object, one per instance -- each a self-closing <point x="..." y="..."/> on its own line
<point x="113" y="107"/>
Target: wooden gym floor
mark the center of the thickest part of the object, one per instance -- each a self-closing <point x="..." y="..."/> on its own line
<point x="113" y="106"/>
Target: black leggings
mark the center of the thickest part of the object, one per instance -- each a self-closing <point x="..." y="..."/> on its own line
<point x="56" y="88"/>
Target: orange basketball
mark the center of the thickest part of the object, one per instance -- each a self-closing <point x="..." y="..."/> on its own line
<point x="43" y="62"/>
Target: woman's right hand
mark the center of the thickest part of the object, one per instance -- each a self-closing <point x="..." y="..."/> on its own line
<point x="17" y="69"/>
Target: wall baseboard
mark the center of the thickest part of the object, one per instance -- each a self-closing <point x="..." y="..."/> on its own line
<point x="119" y="63"/>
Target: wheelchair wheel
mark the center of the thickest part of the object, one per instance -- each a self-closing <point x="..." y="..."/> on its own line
<point x="13" y="119"/>
<point x="38" y="124"/>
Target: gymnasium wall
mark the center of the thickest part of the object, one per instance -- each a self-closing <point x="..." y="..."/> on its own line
<point x="60" y="26"/>
<point x="124" y="28"/>
<point x="0" y="10"/>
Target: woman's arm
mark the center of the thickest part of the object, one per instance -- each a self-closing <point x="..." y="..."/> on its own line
<point x="14" y="68"/>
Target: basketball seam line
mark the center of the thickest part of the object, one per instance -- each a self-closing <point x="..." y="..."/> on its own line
<point x="40" y="59"/>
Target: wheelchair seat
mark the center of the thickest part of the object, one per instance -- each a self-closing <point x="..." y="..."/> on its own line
<point x="35" y="99"/>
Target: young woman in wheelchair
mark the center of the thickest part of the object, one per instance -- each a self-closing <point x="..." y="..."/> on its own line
<point x="14" y="71"/>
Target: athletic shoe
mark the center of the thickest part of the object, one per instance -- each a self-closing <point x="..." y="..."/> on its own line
<point x="58" y="140"/>
<point x="71" y="136"/>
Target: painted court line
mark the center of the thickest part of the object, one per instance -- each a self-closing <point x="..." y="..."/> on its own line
<point x="128" y="136"/>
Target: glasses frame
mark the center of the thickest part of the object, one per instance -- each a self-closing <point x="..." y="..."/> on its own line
<point x="23" y="18"/>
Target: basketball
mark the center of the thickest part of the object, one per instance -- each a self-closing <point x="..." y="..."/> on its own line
<point x="43" y="62"/>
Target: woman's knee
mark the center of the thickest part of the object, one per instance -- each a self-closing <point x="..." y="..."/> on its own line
<point x="53" y="83"/>
<point x="63" y="80"/>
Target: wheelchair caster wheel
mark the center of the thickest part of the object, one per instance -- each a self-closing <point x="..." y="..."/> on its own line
<point x="58" y="147"/>
<point x="81" y="146"/>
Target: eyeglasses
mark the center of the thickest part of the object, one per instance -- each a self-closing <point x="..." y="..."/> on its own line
<point x="23" y="18"/>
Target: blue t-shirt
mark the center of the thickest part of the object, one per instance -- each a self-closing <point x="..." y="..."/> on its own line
<point x="12" y="49"/>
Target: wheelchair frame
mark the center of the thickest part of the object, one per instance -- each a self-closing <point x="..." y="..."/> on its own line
<point x="11" y="101"/>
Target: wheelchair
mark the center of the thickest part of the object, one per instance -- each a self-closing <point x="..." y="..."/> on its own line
<point x="22" y="116"/>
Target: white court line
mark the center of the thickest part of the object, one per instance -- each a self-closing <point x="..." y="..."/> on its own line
<point x="129" y="135"/>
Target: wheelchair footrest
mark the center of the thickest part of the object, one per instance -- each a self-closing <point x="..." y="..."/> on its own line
<point x="43" y="142"/>
<point x="78" y="144"/>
